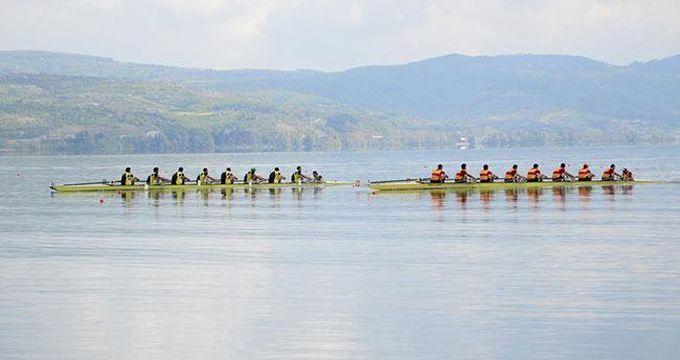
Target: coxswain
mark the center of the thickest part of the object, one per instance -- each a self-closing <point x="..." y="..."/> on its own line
<point x="486" y="176"/>
<point x="155" y="178"/>
<point x="512" y="175"/>
<point x="251" y="177"/>
<point x="275" y="177"/>
<point x="534" y="174"/>
<point x="462" y="175"/>
<point x="627" y="175"/>
<point x="561" y="174"/>
<point x="610" y="174"/>
<point x="227" y="177"/>
<point x="317" y="178"/>
<point x="438" y="175"/>
<point x="584" y="174"/>
<point x="128" y="178"/>
<point x="299" y="177"/>
<point x="204" y="179"/>
<point x="178" y="178"/>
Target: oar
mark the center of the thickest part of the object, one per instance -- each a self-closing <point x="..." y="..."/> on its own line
<point x="94" y="182"/>
<point x="396" y="180"/>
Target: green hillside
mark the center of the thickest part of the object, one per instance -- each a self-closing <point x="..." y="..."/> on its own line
<point x="57" y="114"/>
<point x="61" y="103"/>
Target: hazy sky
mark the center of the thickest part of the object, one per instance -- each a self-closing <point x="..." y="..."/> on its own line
<point x="338" y="34"/>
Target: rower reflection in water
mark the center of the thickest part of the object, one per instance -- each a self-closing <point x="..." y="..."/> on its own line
<point x="437" y="198"/>
<point x="534" y="195"/>
<point x="276" y="192"/>
<point x="559" y="193"/>
<point x="609" y="190"/>
<point x="178" y="196"/>
<point x="462" y="198"/>
<point x="485" y="196"/>
<point x="584" y="193"/>
<point x="127" y="196"/>
<point x="227" y="193"/>
<point x="512" y="195"/>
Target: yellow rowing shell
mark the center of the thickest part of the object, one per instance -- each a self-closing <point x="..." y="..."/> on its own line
<point x="107" y="187"/>
<point x="414" y="185"/>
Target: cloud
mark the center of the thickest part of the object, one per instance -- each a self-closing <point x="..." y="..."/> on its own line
<point x="337" y="34"/>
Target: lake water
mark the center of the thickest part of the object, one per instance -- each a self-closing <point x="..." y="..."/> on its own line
<point x="341" y="273"/>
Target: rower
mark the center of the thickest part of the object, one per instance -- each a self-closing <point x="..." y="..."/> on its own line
<point x="317" y="178"/>
<point x="178" y="178"/>
<point x="204" y="179"/>
<point x="486" y="176"/>
<point x="275" y="176"/>
<point x="155" y="178"/>
<point x="251" y="177"/>
<point x="299" y="177"/>
<point x="584" y="174"/>
<point x="462" y="175"/>
<point x="438" y="175"/>
<point x="227" y="177"/>
<point x="610" y="174"/>
<point x="561" y="174"/>
<point x="627" y="175"/>
<point x="512" y="175"/>
<point x="534" y="174"/>
<point x="128" y="178"/>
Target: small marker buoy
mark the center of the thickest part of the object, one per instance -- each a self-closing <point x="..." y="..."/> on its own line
<point x="18" y="174"/>
<point x="101" y="201"/>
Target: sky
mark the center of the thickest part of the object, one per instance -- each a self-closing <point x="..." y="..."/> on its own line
<point x="339" y="34"/>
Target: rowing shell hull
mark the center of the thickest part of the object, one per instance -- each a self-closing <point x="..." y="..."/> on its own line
<point x="105" y="187"/>
<point x="416" y="186"/>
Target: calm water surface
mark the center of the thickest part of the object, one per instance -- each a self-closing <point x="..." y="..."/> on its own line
<point x="340" y="273"/>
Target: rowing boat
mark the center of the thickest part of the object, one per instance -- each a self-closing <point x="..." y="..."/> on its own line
<point x="419" y="185"/>
<point x="167" y="187"/>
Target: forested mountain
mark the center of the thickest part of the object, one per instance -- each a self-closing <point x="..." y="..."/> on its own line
<point x="63" y="103"/>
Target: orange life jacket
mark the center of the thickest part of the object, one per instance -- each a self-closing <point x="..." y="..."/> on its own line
<point x="533" y="174"/>
<point x="485" y="175"/>
<point x="558" y="173"/>
<point x="437" y="175"/>
<point x="460" y="175"/>
<point x="628" y="175"/>
<point x="510" y="174"/>
<point x="584" y="173"/>
<point x="608" y="174"/>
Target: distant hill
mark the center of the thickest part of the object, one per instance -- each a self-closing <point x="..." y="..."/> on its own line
<point x="48" y="101"/>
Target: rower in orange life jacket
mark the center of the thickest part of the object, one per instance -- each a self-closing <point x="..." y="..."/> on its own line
<point x="561" y="174"/>
<point x="512" y="175"/>
<point x="627" y="175"/>
<point x="438" y="175"/>
<point x="462" y="175"/>
<point x="486" y="176"/>
<point x="584" y="174"/>
<point x="610" y="174"/>
<point x="534" y="174"/>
